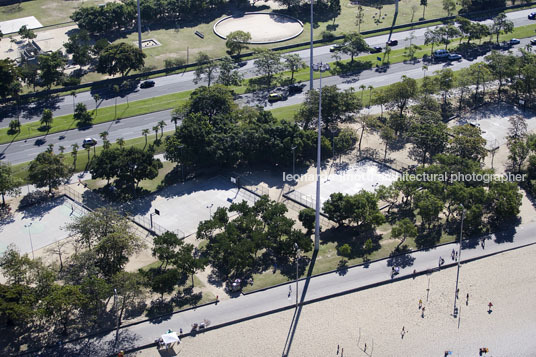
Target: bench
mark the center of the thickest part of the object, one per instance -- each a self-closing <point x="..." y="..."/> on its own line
<point x="199" y="34"/>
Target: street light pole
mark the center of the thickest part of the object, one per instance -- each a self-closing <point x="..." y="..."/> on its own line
<point x="139" y="26"/>
<point x="297" y="273"/>
<point x="117" y="323"/>
<point x="455" y="313"/>
<point x="182" y="163"/>
<point x="30" y="235"/>
<point x="321" y="67"/>
<point x="293" y="163"/>
<point x="311" y="52"/>
<point x="210" y="210"/>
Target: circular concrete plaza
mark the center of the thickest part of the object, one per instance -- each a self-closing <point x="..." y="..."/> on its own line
<point x="263" y="27"/>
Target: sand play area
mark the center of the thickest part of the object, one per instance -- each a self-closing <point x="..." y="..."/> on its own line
<point x="375" y="318"/>
<point x="493" y="120"/>
<point x="263" y="27"/>
<point x="346" y="178"/>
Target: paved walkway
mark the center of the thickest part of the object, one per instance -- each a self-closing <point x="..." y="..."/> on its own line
<point x="318" y="287"/>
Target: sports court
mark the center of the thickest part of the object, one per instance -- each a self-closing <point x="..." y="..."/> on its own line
<point x="11" y="26"/>
<point x="183" y="206"/>
<point x="493" y="121"/>
<point x="39" y="225"/>
<point x="346" y="178"/>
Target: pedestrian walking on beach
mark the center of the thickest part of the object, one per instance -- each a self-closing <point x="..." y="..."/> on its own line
<point x="403" y="332"/>
<point x="420" y="303"/>
<point x="365" y="349"/>
<point x="489" y="307"/>
<point x="422" y="312"/>
<point x="337" y="350"/>
<point x="467" y="301"/>
<point x="342" y="352"/>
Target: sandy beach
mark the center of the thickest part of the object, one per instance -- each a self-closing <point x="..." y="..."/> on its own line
<point x="376" y="317"/>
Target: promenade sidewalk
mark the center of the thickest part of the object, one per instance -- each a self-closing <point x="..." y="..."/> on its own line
<point x="313" y="289"/>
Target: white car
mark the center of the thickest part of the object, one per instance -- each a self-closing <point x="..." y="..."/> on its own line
<point x="514" y="41"/>
<point x="89" y="142"/>
<point x="454" y="57"/>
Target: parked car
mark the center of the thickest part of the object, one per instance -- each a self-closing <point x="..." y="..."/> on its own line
<point x="89" y="142"/>
<point x="336" y="47"/>
<point x="147" y="84"/>
<point x="514" y="41"/>
<point x="532" y="16"/>
<point x="296" y="88"/>
<point x="275" y="97"/>
<point x="441" y="54"/>
<point x="392" y="43"/>
<point x="454" y="57"/>
<point x="533" y="41"/>
<point x="376" y="49"/>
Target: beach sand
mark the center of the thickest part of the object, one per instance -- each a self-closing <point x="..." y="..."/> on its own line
<point x="376" y="317"/>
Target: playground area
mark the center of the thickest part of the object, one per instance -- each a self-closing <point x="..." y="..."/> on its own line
<point x="48" y="40"/>
<point x="182" y="206"/>
<point x="38" y="226"/>
<point x="344" y="178"/>
<point x="263" y="27"/>
<point x="493" y="121"/>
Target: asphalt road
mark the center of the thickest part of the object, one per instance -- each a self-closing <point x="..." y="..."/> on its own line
<point x="182" y="82"/>
<point x="244" y="306"/>
<point x="128" y="128"/>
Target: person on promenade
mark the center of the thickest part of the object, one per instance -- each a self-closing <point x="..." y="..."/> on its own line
<point x="420" y="303"/>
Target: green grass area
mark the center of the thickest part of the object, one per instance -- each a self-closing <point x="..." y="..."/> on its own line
<point x="105" y="114"/>
<point x="21" y="170"/>
<point x="48" y="12"/>
<point x="286" y="113"/>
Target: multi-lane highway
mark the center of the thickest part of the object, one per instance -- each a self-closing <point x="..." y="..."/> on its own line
<point x="22" y="151"/>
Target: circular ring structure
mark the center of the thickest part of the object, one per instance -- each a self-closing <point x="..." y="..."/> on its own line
<point x="264" y="27"/>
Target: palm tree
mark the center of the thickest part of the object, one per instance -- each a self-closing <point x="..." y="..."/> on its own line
<point x="121" y="142"/>
<point x="424" y="69"/>
<point x="50" y="148"/>
<point x="104" y="135"/>
<point x="362" y="87"/>
<point x="74" y="153"/>
<point x="155" y="129"/>
<point x="96" y="98"/>
<point x="161" y="125"/>
<point x="105" y="142"/>
<point x="370" y="95"/>
<point x="88" y="148"/>
<point x="145" y="132"/>
<point x="73" y="93"/>
<point x="61" y="148"/>
<point x="46" y="118"/>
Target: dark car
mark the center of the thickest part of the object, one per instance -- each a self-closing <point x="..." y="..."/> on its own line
<point x="532" y="16"/>
<point x="296" y="88"/>
<point x="392" y="43"/>
<point x="533" y="41"/>
<point x="88" y="142"/>
<point x="336" y="48"/>
<point x="376" y="49"/>
<point x="147" y="84"/>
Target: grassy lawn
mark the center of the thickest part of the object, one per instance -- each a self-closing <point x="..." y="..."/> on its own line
<point x="21" y="170"/>
<point x="105" y="114"/>
<point x="48" y="12"/>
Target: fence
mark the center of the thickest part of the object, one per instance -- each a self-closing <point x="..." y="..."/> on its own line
<point x="91" y="201"/>
<point x="256" y="189"/>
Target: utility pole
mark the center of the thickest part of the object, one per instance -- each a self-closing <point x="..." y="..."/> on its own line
<point x="311" y="52"/>
<point x="297" y="271"/>
<point x="455" y="312"/>
<point x="139" y="26"/>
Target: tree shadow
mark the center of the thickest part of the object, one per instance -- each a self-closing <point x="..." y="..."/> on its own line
<point x="427" y="239"/>
<point x="401" y="258"/>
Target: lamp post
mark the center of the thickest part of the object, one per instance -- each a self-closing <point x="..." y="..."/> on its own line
<point x="210" y="210"/>
<point x="455" y="313"/>
<point x="182" y="163"/>
<point x="139" y="26"/>
<point x="297" y="273"/>
<point x="311" y="52"/>
<point x="117" y="312"/>
<point x="30" y="235"/>
<point x="293" y="163"/>
<point x="321" y="67"/>
<point x="333" y="129"/>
